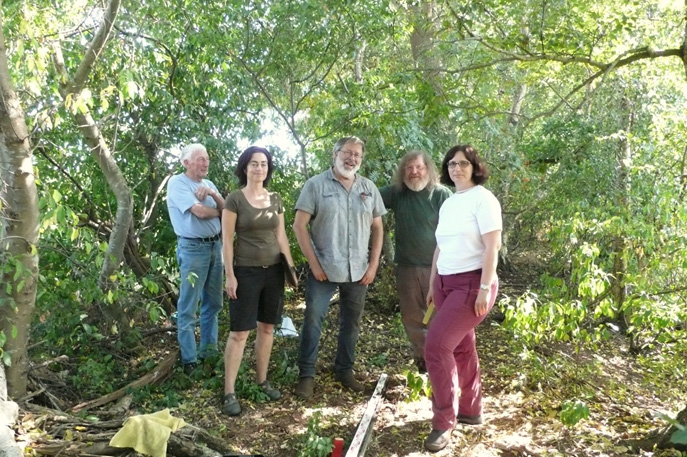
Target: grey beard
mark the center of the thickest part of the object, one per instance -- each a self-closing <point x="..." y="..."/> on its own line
<point x="416" y="187"/>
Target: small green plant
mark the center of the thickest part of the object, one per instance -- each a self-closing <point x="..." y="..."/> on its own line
<point x="679" y="436"/>
<point x="246" y="388"/>
<point x="96" y="376"/>
<point x="573" y="411"/>
<point x="315" y="445"/>
<point x="5" y="356"/>
<point x="287" y="371"/>
<point x="418" y="386"/>
<point x="379" y="360"/>
<point x="155" y="398"/>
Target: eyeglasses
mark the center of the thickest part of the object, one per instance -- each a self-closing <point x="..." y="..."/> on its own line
<point x="258" y="165"/>
<point x="355" y="155"/>
<point x="461" y="163"/>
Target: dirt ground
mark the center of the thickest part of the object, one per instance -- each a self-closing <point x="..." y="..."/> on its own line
<point x="521" y="417"/>
<point x="523" y="396"/>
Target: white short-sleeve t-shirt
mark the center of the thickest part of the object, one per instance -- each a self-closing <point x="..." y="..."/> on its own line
<point x="463" y="219"/>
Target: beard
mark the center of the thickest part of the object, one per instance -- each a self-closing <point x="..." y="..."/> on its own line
<point x="416" y="185"/>
<point x="340" y="167"/>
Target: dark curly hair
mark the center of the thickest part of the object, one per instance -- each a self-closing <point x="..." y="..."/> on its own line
<point x="244" y="159"/>
<point x="480" y="172"/>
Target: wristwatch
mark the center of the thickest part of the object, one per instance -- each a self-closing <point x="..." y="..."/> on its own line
<point x="484" y="286"/>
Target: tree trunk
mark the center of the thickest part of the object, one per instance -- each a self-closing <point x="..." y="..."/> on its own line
<point x="422" y="45"/>
<point x="18" y="229"/>
<point x="623" y="160"/>
<point x="70" y="88"/>
<point x="125" y="206"/>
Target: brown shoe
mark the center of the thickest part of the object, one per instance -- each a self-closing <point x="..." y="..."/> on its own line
<point x="347" y="380"/>
<point x="437" y="440"/>
<point x="305" y="388"/>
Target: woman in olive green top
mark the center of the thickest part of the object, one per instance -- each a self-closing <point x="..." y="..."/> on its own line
<point x="254" y="274"/>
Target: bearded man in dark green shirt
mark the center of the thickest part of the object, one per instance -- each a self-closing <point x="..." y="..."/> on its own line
<point x="415" y="197"/>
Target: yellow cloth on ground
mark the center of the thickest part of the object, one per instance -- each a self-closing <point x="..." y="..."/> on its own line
<point x="148" y="433"/>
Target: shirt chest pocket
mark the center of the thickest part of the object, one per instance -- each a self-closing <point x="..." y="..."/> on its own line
<point x="331" y="202"/>
<point x="362" y="202"/>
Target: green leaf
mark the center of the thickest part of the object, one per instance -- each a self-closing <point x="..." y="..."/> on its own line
<point x="19" y="269"/>
<point x="679" y="436"/>
<point x="573" y="412"/>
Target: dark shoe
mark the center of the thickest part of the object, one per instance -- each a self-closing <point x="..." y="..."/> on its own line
<point x="231" y="406"/>
<point x="270" y="391"/>
<point x="421" y="365"/>
<point x="189" y="368"/>
<point x="437" y="440"/>
<point x="470" y="420"/>
<point x="347" y="380"/>
<point x="305" y="388"/>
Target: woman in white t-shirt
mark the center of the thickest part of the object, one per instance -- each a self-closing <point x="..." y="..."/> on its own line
<point x="463" y="287"/>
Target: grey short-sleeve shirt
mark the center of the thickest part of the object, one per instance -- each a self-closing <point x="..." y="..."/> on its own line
<point x="341" y="223"/>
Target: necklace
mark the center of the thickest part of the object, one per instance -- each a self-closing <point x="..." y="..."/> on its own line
<point x="465" y="190"/>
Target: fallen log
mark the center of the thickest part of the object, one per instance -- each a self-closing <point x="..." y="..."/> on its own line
<point x="159" y="374"/>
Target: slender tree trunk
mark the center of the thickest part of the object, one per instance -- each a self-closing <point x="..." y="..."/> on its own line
<point x="512" y="128"/>
<point x="622" y="164"/>
<point x="18" y="229"/>
<point x="71" y="87"/>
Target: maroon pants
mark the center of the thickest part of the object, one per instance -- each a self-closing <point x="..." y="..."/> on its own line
<point x="450" y="352"/>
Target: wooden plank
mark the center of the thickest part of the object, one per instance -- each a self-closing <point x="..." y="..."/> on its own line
<point x="364" y="432"/>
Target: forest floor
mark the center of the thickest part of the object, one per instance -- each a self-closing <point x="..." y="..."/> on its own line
<point x="523" y="395"/>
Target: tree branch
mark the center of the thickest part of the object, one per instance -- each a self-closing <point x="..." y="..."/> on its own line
<point x="95" y="48"/>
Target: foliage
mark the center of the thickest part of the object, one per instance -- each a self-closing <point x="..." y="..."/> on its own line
<point x="589" y="169"/>
<point x="155" y="398"/>
<point x="314" y="445"/>
<point x="573" y="411"/>
<point x="418" y="385"/>
<point x="680" y="435"/>
<point x="5" y="357"/>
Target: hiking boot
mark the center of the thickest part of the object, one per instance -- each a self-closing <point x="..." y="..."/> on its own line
<point x="189" y="368"/>
<point x="270" y="391"/>
<point x="347" y="380"/>
<point x="437" y="440"/>
<point x="305" y="388"/>
<point x="469" y="420"/>
<point x="231" y="406"/>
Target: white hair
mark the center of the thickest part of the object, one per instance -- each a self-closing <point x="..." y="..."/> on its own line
<point x="188" y="151"/>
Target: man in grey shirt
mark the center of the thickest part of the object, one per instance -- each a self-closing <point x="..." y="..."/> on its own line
<point x="344" y="212"/>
